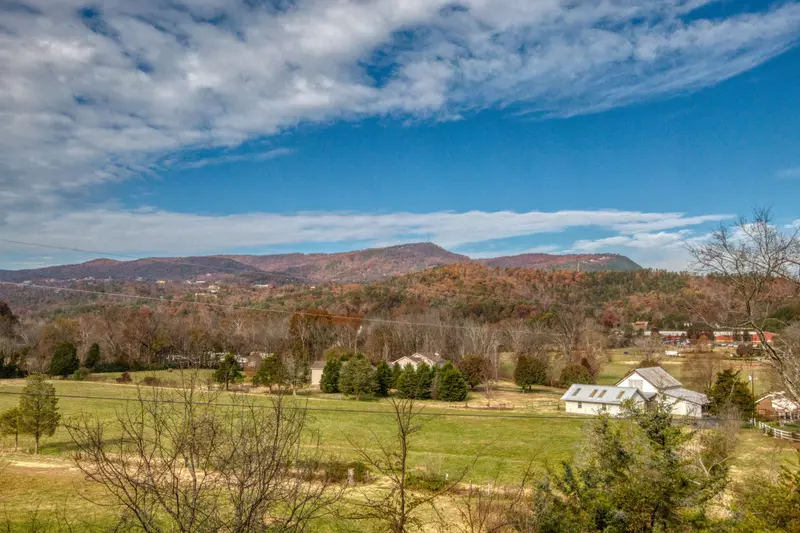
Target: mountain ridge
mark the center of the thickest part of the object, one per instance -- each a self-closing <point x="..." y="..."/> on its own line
<point x="352" y="266"/>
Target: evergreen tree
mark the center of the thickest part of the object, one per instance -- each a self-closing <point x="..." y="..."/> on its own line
<point x="396" y="371"/>
<point x="728" y="390"/>
<point x="407" y="382"/>
<point x="452" y="385"/>
<point x="571" y="374"/>
<point x="9" y="424"/>
<point x="38" y="409"/>
<point x="529" y="371"/>
<point x="228" y="371"/>
<point x="330" y="375"/>
<point x="92" y="356"/>
<point x="65" y="359"/>
<point x="356" y="377"/>
<point x="384" y="379"/>
<point x="425" y="376"/>
<point x="270" y="372"/>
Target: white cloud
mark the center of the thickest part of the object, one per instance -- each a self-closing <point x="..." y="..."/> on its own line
<point x="145" y="231"/>
<point x="788" y="173"/>
<point x="91" y="97"/>
<point x="664" y="249"/>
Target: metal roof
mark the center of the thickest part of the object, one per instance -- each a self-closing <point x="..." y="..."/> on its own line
<point x="600" y="394"/>
<point x="656" y="376"/>
<point x="688" y="395"/>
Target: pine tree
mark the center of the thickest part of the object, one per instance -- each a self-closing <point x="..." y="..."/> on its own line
<point x="9" y="424"/>
<point x="407" y="382"/>
<point x="229" y="371"/>
<point x="425" y="376"/>
<point x="65" y="359"/>
<point x="92" y="356"/>
<point x="356" y="377"/>
<point x="396" y="371"/>
<point x="729" y="390"/>
<point x="384" y="379"/>
<point x="270" y="372"/>
<point x="329" y="382"/>
<point x="38" y="409"/>
<point x="452" y="385"/>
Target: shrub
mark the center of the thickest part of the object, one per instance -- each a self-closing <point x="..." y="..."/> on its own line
<point x="117" y="366"/>
<point x="575" y="374"/>
<point x="426" y="481"/>
<point x="474" y="369"/>
<point x="124" y="378"/>
<point x="151" y="381"/>
<point x="81" y="374"/>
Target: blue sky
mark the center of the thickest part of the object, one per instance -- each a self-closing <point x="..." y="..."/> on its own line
<point x="492" y="128"/>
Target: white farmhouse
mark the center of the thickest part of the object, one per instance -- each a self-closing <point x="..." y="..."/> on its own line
<point x="417" y="359"/>
<point x="591" y="399"/>
<point x="655" y="379"/>
<point x="640" y="385"/>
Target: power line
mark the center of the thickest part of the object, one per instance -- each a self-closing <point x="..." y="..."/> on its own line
<point x="239" y="307"/>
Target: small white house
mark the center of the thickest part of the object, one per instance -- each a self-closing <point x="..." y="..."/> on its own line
<point x="417" y="359"/>
<point x="316" y="373"/>
<point x="591" y="399"/>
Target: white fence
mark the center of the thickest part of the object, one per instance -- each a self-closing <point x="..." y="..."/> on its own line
<point x="779" y="433"/>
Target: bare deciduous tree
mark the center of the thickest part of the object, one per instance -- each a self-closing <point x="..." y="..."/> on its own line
<point x="760" y="264"/>
<point x="179" y="460"/>
<point x="397" y="508"/>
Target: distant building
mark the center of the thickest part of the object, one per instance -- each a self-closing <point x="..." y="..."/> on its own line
<point x="641" y="325"/>
<point x="417" y="359"/>
<point x="316" y="373"/>
<point x="778" y="406"/>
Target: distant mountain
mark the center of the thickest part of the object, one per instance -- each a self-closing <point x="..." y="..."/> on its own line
<point x="586" y="262"/>
<point x="362" y="265"/>
<point x="357" y="266"/>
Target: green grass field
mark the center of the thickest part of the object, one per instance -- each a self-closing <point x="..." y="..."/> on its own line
<point x="496" y="443"/>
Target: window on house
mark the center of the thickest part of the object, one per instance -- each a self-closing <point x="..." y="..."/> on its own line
<point x="602" y="393"/>
<point x="621" y="394"/>
<point x="593" y="393"/>
<point x="580" y="405"/>
<point x="576" y="391"/>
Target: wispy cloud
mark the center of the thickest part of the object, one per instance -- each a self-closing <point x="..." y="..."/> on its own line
<point x="235" y="158"/>
<point x="145" y="232"/>
<point x="788" y="173"/>
<point x="92" y="95"/>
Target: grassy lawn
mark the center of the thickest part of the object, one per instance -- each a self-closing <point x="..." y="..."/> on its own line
<point x="447" y="444"/>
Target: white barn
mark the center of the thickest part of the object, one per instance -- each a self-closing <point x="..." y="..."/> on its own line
<point x="591" y="399"/>
<point x="640" y="385"/>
